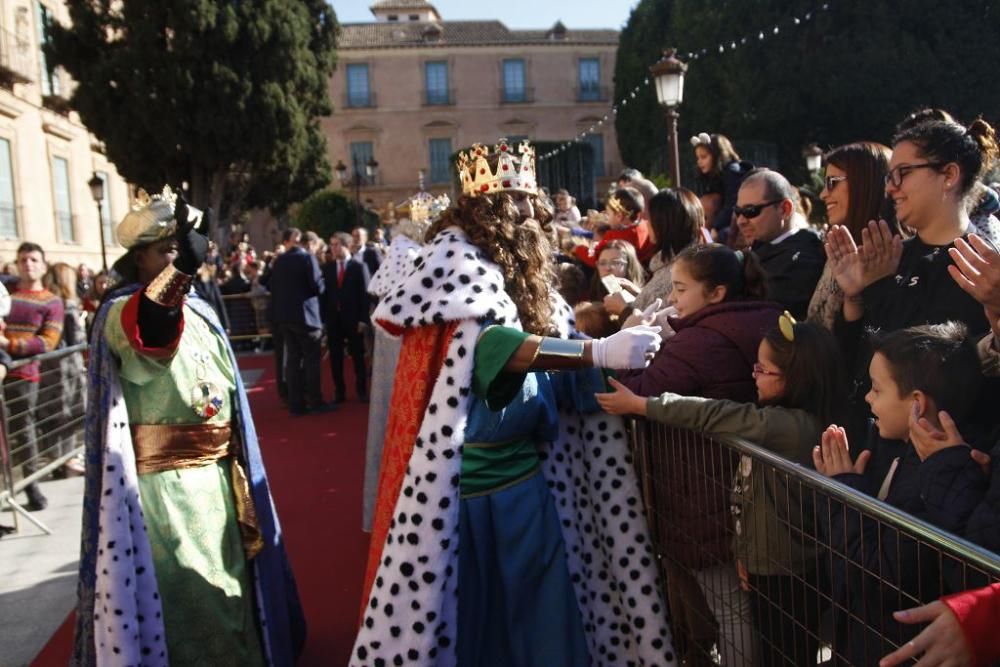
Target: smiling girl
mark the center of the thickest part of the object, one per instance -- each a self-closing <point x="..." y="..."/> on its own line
<point x="799" y="386"/>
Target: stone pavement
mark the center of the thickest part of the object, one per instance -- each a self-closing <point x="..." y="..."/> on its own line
<point x="38" y="573"/>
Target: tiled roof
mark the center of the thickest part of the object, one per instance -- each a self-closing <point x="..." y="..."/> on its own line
<point x="402" y="4"/>
<point x="458" y="33"/>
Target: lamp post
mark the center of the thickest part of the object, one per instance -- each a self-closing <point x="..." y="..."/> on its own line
<point x="669" y="76"/>
<point x="96" y="185"/>
<point x="814" y="158"/>
<point x="355" y="177"/>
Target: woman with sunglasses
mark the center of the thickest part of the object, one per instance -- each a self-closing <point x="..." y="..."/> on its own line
<point x="854" y="193"/>
<point x="892" y="284"/>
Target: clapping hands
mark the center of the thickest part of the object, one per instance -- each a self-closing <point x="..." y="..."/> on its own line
<point x="856" y="268"/>
<point x="977" y="271"/>
<point x="832" y="456"/>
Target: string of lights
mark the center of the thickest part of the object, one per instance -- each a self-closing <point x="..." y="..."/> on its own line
<point x="776" y="30"/>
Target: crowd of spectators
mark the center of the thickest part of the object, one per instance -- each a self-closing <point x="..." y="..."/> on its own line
<point x="878" y="329"/>
<point x="885" y="307"/>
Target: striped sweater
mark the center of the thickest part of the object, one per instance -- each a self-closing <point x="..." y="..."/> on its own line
<point x="34" y="326"/>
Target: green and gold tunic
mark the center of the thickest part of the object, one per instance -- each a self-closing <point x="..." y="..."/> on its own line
<point x="201" y="566"/>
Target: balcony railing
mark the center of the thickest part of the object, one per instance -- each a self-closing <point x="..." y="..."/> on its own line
<point x="16" y="62"/>
<point x="592" y="93"/>
<point x="517" y="95"/>
<point x="439" y="97"/>
<point x="358" y="100"/>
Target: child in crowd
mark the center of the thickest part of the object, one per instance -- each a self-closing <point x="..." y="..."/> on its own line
<point x="800" y="386"/>
<point x="720" y="317"/>
<point x="924" y="380"/>
<point x="624" y="212"/>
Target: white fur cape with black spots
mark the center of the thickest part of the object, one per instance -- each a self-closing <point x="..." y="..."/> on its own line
<point x="411" y="614"/>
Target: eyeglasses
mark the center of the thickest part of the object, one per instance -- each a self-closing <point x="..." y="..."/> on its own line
<point x="611" y="264"/>
<point x="760" y="370"/>
<point x="830" y="182"/>
<point x="896" y="175"/>
<point x="753" y="210"/>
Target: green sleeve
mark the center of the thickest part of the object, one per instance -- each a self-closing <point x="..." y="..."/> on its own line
<point x="777" y="429"/>
<point x="495" y="347"/>
<point x="135" y="367"/>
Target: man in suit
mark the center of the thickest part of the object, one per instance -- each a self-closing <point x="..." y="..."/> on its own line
<point x="296" y="284"/>
<point x="289" y="239"/>
<point x="364" y="251"/>
<point x="346" y="313"/>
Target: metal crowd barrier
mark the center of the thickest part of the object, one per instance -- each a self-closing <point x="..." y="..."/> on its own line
<point x="815" y="598"/>
<point x="42" y="423"/>
<point x="248" y="316"/>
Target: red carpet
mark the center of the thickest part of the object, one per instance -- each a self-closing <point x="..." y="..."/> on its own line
<point x="315" y="465"/>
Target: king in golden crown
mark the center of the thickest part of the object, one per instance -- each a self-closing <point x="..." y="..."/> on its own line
<point x="504" y="169"/>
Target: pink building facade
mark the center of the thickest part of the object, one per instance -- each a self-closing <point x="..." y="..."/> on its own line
<point x="411" y="88"/>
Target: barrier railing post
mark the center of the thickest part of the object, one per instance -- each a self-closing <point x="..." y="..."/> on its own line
<point x="50" y="450"/>
<point x="807" y="598"/>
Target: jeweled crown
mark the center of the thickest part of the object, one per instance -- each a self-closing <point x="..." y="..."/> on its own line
<point x="506" y="168"/>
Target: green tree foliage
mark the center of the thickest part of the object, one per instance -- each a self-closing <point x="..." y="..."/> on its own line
<point x="640" y="124"/>
<point x="850" y="73"/>
<point x="329" y="211"/>
<point x="222" y="95"/>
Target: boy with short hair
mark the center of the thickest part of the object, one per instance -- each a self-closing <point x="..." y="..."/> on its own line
<point x="924" y="381"/>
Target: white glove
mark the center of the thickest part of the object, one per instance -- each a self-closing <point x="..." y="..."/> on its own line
<point x="629" y="348"/>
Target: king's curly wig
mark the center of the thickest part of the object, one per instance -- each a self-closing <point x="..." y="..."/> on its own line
<point x="521" y="249"/>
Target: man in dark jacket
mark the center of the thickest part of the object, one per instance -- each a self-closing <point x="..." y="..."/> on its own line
<point x="346" y="314"/>
<point x="791" y="254"/>
<point x="364" y="251"/>
<point x="296" y="285"/>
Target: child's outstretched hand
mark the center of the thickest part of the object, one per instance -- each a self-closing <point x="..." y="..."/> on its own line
<point x="927" y="439"/>
<point x="833" y="457"/>
<point x="621" y="401"/>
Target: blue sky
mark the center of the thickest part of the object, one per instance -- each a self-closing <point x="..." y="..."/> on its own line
<point x="515" y="13"/>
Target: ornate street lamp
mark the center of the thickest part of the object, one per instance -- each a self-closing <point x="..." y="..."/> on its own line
<point x="814" y="158"/>
<point x="355" y="177"/>
<point x="341" y="170"/>
<point x="96" y="185"/>
<point x="668" y="74"/>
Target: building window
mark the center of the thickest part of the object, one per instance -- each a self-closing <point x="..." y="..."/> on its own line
<point x="440" y="160"/>
<point x="436" y="76"/>
<point x="590" y="79"/>
<point x="51" y="85"/>
<point x="414" y="17"/>
<point x="358" y="91"/>
<point x="597" y="142"/>
<point x="393" y="17"/>
<point x="361" y="153"/>
<point x="64" y="206"/>
<point x="8" y="208"/>
<point x="109" y="237"/>
<point x="513" y="81"/>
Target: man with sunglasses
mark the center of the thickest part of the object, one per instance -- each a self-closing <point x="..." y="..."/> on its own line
<point x="790" y="253"/>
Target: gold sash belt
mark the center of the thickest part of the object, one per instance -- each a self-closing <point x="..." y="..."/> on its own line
<point x="161" y="447"/>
